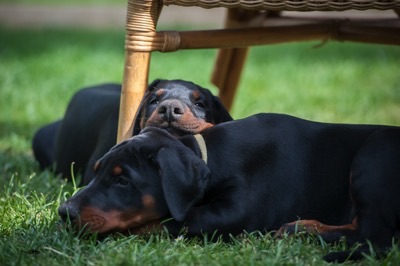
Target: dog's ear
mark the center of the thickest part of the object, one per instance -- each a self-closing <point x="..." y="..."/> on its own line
<point x="154" y="84"/>
<point x="184" y="179"/>
<point x="220" y="113"/>
<point x="218" y="110"/>
<point x="140" y="114"/>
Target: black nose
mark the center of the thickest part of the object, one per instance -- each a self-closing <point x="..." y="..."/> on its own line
<point x="68" y="212"/>
<point x="171" y="110"/>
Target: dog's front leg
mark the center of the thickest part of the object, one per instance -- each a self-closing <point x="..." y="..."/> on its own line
<point x="211" y="219"/>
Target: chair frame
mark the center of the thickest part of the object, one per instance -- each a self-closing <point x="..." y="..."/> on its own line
<point x="244" y="18"/>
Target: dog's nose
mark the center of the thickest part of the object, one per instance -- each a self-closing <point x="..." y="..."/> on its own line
<point x="171" y="110"/>
<point x="68" y="211"/>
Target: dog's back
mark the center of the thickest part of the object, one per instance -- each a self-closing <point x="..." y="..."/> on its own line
<point x="289" y="163"/>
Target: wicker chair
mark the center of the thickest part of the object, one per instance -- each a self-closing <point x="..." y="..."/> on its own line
<point x="245" y="26"/>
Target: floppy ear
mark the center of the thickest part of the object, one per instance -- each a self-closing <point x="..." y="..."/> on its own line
<point x="184" y="179"/>
<point x="221" y="114"/>
<point x="141" y="110"/>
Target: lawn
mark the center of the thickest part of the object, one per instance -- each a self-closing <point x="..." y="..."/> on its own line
<point x="41" y="69"/>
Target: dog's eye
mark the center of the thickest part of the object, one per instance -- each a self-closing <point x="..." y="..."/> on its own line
<point x="199" y="104"/>
<point x="154" y="101"/>
<point x="121" y="180"/>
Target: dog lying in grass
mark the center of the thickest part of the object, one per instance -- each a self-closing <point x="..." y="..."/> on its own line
<point x="261" y="173"/>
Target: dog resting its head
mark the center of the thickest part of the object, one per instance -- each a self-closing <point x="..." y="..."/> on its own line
<point x="181" y="107"/>
<point x="89" y="127"/>
<point x="136" y="186"/>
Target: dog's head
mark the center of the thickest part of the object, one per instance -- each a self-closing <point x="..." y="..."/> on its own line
<point x="179" y="106"/>
<point x="137" y="184"/>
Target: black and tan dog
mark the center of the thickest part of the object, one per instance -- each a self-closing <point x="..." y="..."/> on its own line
<point x="257" y="173"/>
<point x="89" y="127"/>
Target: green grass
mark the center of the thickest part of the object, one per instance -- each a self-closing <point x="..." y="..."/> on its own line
<point x="41" y="69"/>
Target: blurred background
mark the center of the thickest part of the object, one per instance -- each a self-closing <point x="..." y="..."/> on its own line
<point x="50" y="49"/>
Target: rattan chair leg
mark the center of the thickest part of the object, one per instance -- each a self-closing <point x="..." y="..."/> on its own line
<point x="142" y="17"/>
<point x="227" y="72"/>
<point x="230" y="62"/>
<point x="136" y="74"/>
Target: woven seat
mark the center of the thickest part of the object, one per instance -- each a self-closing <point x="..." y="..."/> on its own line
<point x="292" y="5"/>
<point x="244" y="27"/>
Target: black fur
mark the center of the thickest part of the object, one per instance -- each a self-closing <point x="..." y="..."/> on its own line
<point x="89" y="127"/>
<point x="262" y="172"/>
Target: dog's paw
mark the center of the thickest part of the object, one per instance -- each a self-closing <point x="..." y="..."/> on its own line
<point x="309" y="226"/>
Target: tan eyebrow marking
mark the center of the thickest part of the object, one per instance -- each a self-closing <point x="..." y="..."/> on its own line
<point x="160" y="92"/>
<point x="196" y="95"/>
<point x="117" y="170"/>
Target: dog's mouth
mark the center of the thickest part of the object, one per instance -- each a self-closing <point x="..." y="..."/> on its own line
<point x="98" y="225"/>
<point x="95" y="220"/>
<point x="177" y="131"/>
<point x="176" y="128"/>
<point x="185" y="124"/>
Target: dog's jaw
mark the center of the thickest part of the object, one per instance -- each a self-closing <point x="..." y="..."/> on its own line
<point x="139" y="221"/>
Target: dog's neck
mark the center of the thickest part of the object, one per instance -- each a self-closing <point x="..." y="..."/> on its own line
<point x="202" y="145"/>
<point x="197" y="144"/>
